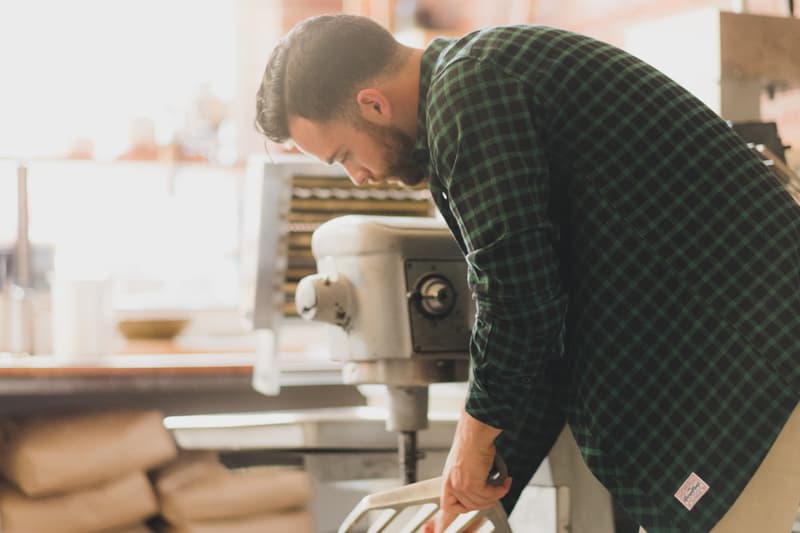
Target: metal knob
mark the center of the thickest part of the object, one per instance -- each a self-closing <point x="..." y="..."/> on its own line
<point x="435" y="295"/>
<point x="326" y="299"/>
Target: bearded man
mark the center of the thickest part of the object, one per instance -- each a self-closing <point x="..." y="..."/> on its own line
<point x="635" y="267"/>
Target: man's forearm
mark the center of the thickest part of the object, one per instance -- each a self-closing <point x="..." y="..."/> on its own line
<point x="480" y="436"/>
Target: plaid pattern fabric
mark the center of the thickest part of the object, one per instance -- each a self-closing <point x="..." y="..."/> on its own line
<point x="635" y="267"/>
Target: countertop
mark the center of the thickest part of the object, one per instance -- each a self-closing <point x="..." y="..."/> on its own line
<point x="172" y="378"/>
<point x="220" y="358"/>
<point x="47" y="374"/>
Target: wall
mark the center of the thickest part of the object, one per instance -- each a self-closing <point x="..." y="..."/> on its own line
<point x="259" y="25"/>
<point x="296" y="10"/>
<point x="607" y="19"/>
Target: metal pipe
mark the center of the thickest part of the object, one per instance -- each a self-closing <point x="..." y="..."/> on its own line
<point x="21" y="333"/>
<point x="407" y="453"/>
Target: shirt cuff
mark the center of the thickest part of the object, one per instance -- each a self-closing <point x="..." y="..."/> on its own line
<point x="494" y="402"/>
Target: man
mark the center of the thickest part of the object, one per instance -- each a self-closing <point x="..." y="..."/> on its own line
<point x="635" y="268"/>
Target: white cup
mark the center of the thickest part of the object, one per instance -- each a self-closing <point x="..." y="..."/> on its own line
<point x="81" y="318"/>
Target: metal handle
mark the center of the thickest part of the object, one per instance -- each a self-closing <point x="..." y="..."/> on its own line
<point x="425" y="494"/>
<point x="499" y="472"/>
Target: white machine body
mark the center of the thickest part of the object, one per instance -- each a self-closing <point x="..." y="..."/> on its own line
<point x="395" y="290"/>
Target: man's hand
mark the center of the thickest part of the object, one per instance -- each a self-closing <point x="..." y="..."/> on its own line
<point x="465" y="473"/>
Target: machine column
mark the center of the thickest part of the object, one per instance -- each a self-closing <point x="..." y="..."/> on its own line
<point x="408" y="413"/>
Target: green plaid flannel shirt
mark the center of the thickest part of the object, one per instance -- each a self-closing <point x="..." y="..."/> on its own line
<point x="634" y="266"/>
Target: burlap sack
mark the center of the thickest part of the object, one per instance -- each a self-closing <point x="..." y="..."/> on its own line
<point x="231" y="493"/>
<point x="113" y="504"/>
<point x="295" y="522"/>
<point x="189" y="467"/>
<point x="58" y="454"/>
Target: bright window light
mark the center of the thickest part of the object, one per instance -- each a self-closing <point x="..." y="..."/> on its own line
<point x="87" y="69"/>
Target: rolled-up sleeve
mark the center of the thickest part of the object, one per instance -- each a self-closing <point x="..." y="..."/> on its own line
<point x="491" y="160"/>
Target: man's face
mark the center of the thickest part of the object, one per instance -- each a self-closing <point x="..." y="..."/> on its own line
<point x="368" y="153"/>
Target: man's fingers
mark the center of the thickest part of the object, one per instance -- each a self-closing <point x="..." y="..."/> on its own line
<point x="471" y="499"/>
<point x="444" y="519"/>
<point x="455" y="502"/>
<point x="441" y="520"/>
<point x="451" y="505"/>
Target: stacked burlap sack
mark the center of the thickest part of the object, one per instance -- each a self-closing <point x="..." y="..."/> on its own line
<point x="198" y="494"/>
<point x="82" y="473"/>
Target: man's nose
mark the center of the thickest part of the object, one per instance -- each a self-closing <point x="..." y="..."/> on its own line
<point x="359" y="176"/>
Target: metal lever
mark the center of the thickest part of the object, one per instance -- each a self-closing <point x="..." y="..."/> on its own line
<point x="426" y="495"/>
<point x="499" y="472"/>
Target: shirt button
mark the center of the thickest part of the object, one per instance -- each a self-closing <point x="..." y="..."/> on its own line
<point x="527" y="380"/>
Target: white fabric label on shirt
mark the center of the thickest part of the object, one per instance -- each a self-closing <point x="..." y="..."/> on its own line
<point x="691" y="491"/>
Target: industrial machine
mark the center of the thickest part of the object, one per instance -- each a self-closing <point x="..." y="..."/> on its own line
<point x="394" y="291"/>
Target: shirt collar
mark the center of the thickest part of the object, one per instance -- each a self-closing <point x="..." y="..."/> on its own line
<point x="429" y="59"/>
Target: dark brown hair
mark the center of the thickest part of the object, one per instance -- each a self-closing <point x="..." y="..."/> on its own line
<point x="315" y="70"/>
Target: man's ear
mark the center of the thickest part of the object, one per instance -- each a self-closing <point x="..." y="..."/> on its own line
<point x="374" y="106"/>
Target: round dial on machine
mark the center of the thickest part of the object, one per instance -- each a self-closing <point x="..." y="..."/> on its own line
<point x="435" y="295"/>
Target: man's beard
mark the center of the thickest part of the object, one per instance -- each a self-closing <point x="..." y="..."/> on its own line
<point x="397" y="153"/>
